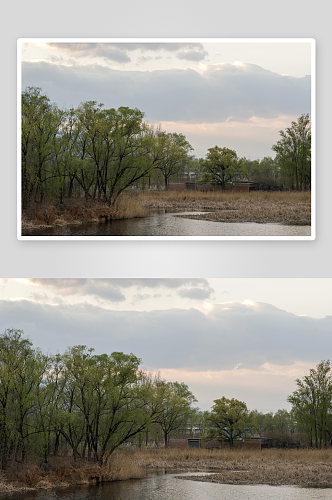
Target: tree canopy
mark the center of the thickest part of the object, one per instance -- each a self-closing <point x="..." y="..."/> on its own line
<point x="293" y="153"/>
<point x="222" y="165"/>
<point x="230" y="419"/>
<point x="312" y="404"/>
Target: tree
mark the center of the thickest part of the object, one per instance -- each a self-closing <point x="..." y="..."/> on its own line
<point x="230" y="419"/>
<point x="116" y="144"/>
<point x="111" y="394"/>
<point x="174" y="154"/>
<point x="174" y="403"/>
<point x="266" y="172"/>
<point x="293" y="153"/>
<point x="312" y="404"/>
<point x="222" y="165"/>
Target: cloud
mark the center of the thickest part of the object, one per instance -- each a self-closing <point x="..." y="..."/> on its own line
<point x="103" y="289"/>
<point x="110" y="289"/>
<point x="118" y="52"/>
<point x="251" y="334"/>
<point x="196" y="293"/>
<point x="192" y="55"/>
<point x="213" y="95"/>
<point x="104" y="50"/>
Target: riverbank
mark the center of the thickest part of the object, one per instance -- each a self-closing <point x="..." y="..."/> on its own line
<point x="258" y="206"/>
<point x="79" y="211"/>
<point x="63" y="471"/>
<point x="274" y="466"/>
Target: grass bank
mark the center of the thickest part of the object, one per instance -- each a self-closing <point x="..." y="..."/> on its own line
<point x="65" y="472"/>
<point x="257" y="206"/>
<point x="274" y="466"/>
<point x="79" y="211"/>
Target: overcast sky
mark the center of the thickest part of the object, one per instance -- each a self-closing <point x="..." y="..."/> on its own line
<point x="235" y="95"/>
<point x="242" y="338"/>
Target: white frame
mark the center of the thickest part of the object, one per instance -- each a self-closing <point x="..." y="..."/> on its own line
<point x="312" y="41"/>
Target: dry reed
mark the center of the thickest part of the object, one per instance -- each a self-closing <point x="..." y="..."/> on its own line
<point x="64" y="472"/>
<point x="270" y="466"/>
<point x="78" y="211"/>
<point x="257" y="206"/>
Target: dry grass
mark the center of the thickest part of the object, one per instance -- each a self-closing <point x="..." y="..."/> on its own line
<point x="257" y="206"/>
<point x="273" y="466"/>
<point x="77" y="211"/>
<point x="64" y="472"/>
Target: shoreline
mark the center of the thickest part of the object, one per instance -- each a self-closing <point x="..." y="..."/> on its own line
<point x="260" y="207"/>
<point x="244" y="467"/>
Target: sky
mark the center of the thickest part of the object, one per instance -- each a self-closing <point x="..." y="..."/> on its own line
<point x="248" y="339"/>
<point x="230" y="94"/>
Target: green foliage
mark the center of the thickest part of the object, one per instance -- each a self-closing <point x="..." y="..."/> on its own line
<point x="101" y="152"/>
<point x="312" y="404"/>
<point x="85" y="403"/>
<point x="230" y="419"/>
<point x="174" y="154"/>
<point x="173" y="402"/>
<point x="222" y="165"/>
<point x="293" y="153"/>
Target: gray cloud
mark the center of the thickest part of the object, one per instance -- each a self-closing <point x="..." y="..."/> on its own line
<point x="196" y="293"/>
<point x="228" y="335"/>
<point x="103" y="289"/>
<point x="109" y="289"/>
<point x="105" y="50"/>
<point x="118" y="51"/>
<point x="192" y="55"/>
<point x="221" y="92"/>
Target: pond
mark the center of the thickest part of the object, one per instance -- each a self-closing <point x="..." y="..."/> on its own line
<point x="168" y="223"/>
<point x="168" y="487"/>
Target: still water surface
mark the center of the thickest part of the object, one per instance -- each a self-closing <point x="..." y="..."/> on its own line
<point x="168" y="223"/>
<point x="168" y="487"/>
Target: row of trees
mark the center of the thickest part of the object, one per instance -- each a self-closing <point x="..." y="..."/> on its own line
<point x="99" y="153"/>
<point x="291" y="167"/>
<point x="96" y="151"/>
<point x="87" y="405"/>
<point x="79" y="402"/>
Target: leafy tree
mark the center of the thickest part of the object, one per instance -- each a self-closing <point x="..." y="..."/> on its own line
<point x="312" y="404"/>
<point x="115" y="142"/>
<point x="230" y="419"/>
<point x="21" y="372"/>
<point x="111" y="394"/>
<point x="222" y="165"/>
<point x="41" y="123"/>
<point x="174" y="403"/>
<point x="174" y="154"/>
<point x="293" y="153"/>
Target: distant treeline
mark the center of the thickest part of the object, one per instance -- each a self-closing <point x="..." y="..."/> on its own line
<point x="83" y="404"/>
<point x="98" y="153"/>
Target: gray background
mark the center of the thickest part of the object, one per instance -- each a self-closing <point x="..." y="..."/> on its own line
<point x="159" y="18"/>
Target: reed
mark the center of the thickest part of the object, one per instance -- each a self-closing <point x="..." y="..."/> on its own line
<point x="270" y="466"/>
<point x="65" y="471"/>
<point x="257" y="206"/>
<point x="78" y="211"/>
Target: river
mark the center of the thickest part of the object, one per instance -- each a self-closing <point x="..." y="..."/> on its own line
<point x="164" y="486"/>
<point x="168" y="223"/>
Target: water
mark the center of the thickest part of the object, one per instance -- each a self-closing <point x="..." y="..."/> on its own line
<point x="168" y="487"/>
<point x="167" y="223"/>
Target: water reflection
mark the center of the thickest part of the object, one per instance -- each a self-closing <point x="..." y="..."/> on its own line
<point x="168" y="223"/>
<point x="168" y="487"/>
